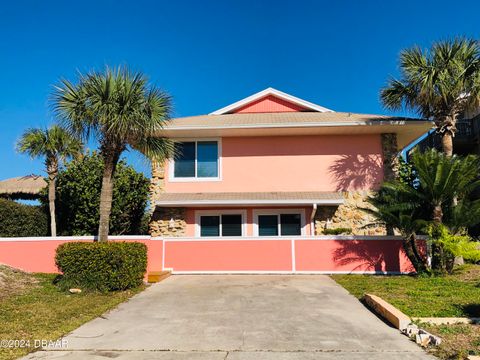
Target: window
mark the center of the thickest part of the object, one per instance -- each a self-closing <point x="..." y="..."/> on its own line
<point x="196" y="159"/>
<point x="267" y="225"/>
<point x="282" y="223"/>
<point x="290" y="224"/>
<point x="221" y="225"/>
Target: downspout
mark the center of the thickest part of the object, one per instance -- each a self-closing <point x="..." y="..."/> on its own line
<point x="312" y="220"/>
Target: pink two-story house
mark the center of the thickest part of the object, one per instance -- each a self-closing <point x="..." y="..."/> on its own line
<point x="270" y="167"/>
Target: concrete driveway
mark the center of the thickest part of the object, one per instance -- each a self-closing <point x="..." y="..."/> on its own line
<point x="238" y="317"/>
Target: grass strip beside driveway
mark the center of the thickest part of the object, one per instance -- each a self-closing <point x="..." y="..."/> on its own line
<point x="40" y="311"/>
<point x="456" y="295"/>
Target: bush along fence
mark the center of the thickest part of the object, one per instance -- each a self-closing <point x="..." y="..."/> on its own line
<point x="256" y="255"/>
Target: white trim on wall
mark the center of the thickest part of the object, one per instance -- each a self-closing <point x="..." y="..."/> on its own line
<point x="332" y="202"/>
<point x="74" y="238"/>
<point x="241" y="212"/>
<point x="171" y="162"/>
<point x="278" y="212"/>
<point x="286" y="272"/>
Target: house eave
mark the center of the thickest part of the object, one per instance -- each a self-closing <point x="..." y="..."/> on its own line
<point x="407" y="130"/>
<point x="198" y="203"/>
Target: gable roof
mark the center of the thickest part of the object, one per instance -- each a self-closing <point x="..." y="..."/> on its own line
<point x="308" y="106"/>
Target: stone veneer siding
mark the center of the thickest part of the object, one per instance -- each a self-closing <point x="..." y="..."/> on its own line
<point x="348" y="215"/>
<point x="161" y="222"/>
<point x="390" y="156"/>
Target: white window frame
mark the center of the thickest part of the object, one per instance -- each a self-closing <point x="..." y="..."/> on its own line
<point x="278" y="212"/>
<point x="171" y="165"/>
<point x="200" y="213"/>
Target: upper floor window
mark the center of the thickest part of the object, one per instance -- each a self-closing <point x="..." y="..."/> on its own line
<point x="196" y="159"/>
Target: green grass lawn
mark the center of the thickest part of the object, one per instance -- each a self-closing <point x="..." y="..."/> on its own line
<point x="454" y="295"/>
<point x="32" y="308"/>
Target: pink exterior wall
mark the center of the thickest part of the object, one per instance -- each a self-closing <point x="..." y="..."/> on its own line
<point x="294" y="163"/>
<point x="269" y="104"/>
<point x="351" y="255"/>
<point x="357" y="254"/>
<point x="292" y="255"/>
<point x="234" y="255"/>
<point x="38" y="255"/>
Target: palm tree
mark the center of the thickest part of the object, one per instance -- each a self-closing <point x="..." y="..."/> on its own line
<point x="122" y="111"/>
<point x="440" y="195"/>
<point x="440" y="84"/>
<point x="56" y="145"/>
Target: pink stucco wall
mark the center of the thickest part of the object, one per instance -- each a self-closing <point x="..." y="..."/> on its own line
<point x="234" y="255"/>
<point x="38" y="255"/>
<point x="357" y="254"/>
<point x="307" y="255"/>
<point x="351" y="255"/>
<point x="294" y="163"/>
<point x="269" y="104"/>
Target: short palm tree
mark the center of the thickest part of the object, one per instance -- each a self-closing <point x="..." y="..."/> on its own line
<point x="55" y="145"/>
<point x="121" y="110"/>
<point x="441" y="194"/>
<point x="439" y="84"/>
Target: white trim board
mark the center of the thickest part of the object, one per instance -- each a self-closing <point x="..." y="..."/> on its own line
<point x="289" y="237"/>
<point x="332" y="202"/>
<point x="267" y="92"/>
<point x="73" y="238"/>
<point x="285" y="272"/>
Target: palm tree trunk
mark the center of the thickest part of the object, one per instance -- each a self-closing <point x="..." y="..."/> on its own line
<point x="447" y="143"/>
<point x="106" y="195"/>
<point x="437" y="214"/>
<point x="413" y="255"/>
<point x="438" y="257"/>
<point x="52" y="170"/>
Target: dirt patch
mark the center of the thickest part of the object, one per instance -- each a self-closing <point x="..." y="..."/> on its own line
<point x="14" y="281"/>
<point x="468" y="273"/>
<point x="458" y="341"/>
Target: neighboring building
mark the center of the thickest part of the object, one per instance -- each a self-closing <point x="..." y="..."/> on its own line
<point x="275" y="165"/>
<point x="466" y="140"/>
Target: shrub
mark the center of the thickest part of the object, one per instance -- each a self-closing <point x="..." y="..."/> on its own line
<point x="337" y="231"/>
<point x="18" y="220"/>
<point x="105" y="266"/>
<point x="78" y="198"/>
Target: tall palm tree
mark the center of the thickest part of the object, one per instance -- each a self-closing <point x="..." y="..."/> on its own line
<point x="120" y="110"/>
<point x="55" y="145"/>
<point x="439" y="84"/>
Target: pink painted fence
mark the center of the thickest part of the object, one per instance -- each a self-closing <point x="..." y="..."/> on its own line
<point x="321" y="254"/>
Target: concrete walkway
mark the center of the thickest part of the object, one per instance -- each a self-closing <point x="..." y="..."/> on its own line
<point x="238" y="317"/>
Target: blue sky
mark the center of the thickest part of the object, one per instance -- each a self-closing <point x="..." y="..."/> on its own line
<point x="208" y="54"/>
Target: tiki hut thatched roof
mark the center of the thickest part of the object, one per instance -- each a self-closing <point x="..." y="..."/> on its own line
<point x="22" y="187"/>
